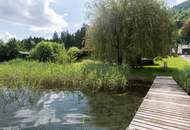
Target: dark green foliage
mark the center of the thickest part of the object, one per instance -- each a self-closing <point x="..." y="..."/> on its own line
<point x="3" y="52"/>
<point x="185" y="32"/>
<point x="56" y="38"/>
<point x="12" y="49"/>
<point x="69" y="40"/>
<point x="49" y="51"/>
<point x="43" y="52"/>
<point x="182" y="11"/>
<point x="84" y="53"/>
<point x="8" y="50"/>
<point x="126" y="30"/>
<point x="80" y="36"/>
<point x="179" y="24"/>
<point x="29" y="43"/>
<point x="64" y="36"/>
<point x="74" y="40"/>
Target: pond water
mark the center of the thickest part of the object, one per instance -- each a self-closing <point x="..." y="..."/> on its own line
<point x="31" y="109"/>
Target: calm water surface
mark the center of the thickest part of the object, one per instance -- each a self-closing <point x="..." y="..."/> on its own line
<point x="31" y="109"/>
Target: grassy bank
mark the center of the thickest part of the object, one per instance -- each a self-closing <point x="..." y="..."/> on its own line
<point x="86" y="74"/>
<point x="177" y="67"/>
<point x="89" y="74"/>
<point x="174" y="64"/>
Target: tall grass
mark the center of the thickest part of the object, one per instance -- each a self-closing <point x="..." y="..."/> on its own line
<point x="86" y="74"/>
<point x="183" y="77"/>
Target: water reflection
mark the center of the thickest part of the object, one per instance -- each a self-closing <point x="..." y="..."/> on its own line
<point x="42" y="109"/>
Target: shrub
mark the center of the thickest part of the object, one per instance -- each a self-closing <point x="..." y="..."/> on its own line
<point x="49" y="51"/>
<point x="57" y="47"/>
<point x="62" y="57"/>
<point x="43" y="52"/>
<point x="183" y="77"/>
<point x="73" y="54"/>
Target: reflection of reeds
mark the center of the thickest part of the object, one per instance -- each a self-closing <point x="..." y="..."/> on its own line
<point x="85" y="74"/>
<point x="19" y="97"/>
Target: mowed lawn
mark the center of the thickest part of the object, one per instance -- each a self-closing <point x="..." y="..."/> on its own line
<point x="175" y="64"/>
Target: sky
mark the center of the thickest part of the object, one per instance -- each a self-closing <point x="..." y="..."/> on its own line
<point x="41" y="18"/>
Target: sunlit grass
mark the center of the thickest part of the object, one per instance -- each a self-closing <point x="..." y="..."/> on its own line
<point x="177" y="67"/>
<point x="86" y="74"/>
<point x="174" y="64"/>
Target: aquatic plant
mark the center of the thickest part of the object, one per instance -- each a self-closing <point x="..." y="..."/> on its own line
<point x="183" y="77"/>
<point x="87" y="74"/>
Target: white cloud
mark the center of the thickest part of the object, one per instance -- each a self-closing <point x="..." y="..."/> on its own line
<point x="6" y="36"/>
<point x="48" y="114"/>
<point x="179" y="1"/>
<point x="37" y="14"/>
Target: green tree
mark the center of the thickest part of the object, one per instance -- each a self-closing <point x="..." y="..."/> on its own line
<point x="12" y="49"/>
<point x="29" y="43"/>
<point x="56" y="37"/>
<point x="74" y="39"/>
<point x="80" y="36"/>
<point x="129" y="29"/>
<point x="43" y="52"/>
<point x="70" y="40"/>
<point x="3" y="51"/>
<point x="49" y="51"/>
<point x="185" y="32"/>
<point x="64" y="36"/>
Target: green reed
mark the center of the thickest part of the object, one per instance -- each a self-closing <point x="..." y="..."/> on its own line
<point x="87" y="74"/>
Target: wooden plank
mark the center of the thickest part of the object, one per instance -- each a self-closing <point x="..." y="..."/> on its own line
<point x="165" y="107"/>
<point x="165" y="120"/>
<point x="165" y="81"/>
<point x="168" y="92"/>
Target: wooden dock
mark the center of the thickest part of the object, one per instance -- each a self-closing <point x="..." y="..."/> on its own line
<point x="165" y="107"/>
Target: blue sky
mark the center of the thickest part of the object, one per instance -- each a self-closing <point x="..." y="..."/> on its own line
<point x="24" y="18"/>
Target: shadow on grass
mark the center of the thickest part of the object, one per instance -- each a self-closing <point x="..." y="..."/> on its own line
<point x="153" y="71"/>
<point x="146" y="75"/>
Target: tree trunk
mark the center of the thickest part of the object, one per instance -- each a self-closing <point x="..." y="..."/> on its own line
<point x="119" y="57"/>
<point x="120" y="60"/>
<point x="139" y="61"/>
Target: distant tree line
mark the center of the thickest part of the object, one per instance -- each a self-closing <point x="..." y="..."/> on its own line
<point x="76" y="39"/>
<point x="10" y="49"/>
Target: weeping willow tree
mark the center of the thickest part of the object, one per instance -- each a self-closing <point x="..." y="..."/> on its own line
<point x="128" y="29"/>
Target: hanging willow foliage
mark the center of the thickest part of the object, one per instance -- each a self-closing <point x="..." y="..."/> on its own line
<point x="126" y="29"/>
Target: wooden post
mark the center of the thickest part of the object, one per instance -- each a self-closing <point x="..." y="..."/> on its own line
<point x="165" y="66"/>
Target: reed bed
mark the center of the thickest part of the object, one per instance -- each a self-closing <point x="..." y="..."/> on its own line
<point x="87" y="74"/>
